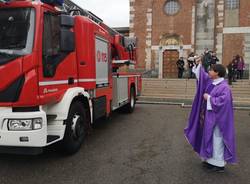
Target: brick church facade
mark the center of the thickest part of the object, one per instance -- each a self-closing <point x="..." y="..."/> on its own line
<point x="169" y="29"/>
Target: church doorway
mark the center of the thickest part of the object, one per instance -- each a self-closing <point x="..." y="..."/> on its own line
<point x="169" y="63"/>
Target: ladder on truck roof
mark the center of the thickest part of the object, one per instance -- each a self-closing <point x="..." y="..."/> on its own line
<point x="74" y="9"/>
<point x="128" y="43"/>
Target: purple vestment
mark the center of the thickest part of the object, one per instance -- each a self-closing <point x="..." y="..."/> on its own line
<point x="201" y="122"/>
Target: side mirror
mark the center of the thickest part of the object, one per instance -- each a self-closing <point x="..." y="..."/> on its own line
<point x="67" y="37"/>
<point x="67" y="21"/>
<point x="67" y="41"/>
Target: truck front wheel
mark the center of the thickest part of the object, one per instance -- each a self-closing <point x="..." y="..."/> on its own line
<point x="76" y="128"/>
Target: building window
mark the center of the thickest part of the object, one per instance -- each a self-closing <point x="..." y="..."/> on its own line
<point x="172" y="7"/>
<point x="232" y="4"/>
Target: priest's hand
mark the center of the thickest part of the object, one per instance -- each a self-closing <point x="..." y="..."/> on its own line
<point x="205" y="96"/>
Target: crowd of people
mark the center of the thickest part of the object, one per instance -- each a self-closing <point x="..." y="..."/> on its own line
<point x="235" y="68"/>
<point x="209" y="58"/>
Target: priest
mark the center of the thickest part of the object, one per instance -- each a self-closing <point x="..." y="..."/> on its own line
<point x="210" y="128"/>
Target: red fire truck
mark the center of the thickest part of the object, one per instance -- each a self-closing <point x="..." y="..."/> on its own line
<point x="59" y="71"/>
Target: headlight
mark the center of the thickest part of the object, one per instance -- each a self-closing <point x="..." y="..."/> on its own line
<point x="24" y="124"/>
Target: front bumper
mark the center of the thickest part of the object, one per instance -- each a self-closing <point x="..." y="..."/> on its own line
<point x="33" y="138"/>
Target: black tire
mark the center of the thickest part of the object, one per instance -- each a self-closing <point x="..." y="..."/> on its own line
<point x="76" y="129"/>
<point x="129" y="108"/>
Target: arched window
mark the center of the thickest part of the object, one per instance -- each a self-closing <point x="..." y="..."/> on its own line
<point x="171" y="7"/>
<point x="232" y="4"/>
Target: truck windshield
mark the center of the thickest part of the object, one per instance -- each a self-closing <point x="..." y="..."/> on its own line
<point x="17" y="31"/>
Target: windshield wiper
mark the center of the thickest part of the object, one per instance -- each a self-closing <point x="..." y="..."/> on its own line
<point x="17" y="46"/>
<point x="6" y="57"/>
<point x="5" y="54"/>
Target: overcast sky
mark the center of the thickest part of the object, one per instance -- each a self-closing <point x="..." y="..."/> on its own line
<point x="114" y="13"/>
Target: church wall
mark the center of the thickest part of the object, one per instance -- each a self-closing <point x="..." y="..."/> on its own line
<point x="244" y="13"/>
<point x="233" y="45"/>
<point x="219" y="24"/>
<point x="148" y="22"/>
<point x="180" y="24"/>
<point x="138" y="28"/>
<point x="236" y="39"/>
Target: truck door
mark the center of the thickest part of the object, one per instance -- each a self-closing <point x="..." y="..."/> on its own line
<point x="58" y="71"/>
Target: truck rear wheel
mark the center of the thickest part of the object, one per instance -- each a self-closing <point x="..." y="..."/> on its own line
<point x="132" y="99"/>
<point x="76" y="128"/>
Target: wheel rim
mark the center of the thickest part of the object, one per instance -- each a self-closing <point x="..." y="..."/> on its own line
<point x="77" y="127"/>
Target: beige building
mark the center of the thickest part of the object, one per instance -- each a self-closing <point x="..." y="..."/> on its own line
<point x="169" y="29"/>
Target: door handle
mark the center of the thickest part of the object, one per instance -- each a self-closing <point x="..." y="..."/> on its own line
<point x="71" y="81"/>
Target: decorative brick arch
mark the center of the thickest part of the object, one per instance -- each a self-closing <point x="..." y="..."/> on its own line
<point x="170" y="39"/>
<point x="171" y="48"/>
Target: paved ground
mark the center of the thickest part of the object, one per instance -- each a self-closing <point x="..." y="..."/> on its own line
<point x="147" y="146"/>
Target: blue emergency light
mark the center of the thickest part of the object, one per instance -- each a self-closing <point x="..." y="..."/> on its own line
<point x="53" y="2"/>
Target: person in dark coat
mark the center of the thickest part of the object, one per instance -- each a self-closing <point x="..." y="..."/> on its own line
<point x="180" y="66"/>
<point x="214" y="59"/>
<point x="206" y="60"/>
<point x="230" y="72"/>
<point x="240" y="67"/>
<point x="190" y="62"/>
<point x="235" y="67"/>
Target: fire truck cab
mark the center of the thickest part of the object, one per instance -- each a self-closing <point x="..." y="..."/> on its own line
<point x="59" y="73"/>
